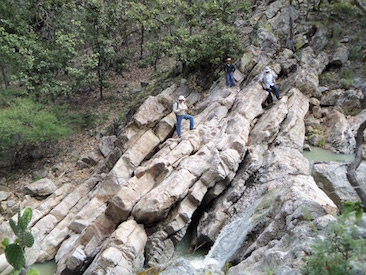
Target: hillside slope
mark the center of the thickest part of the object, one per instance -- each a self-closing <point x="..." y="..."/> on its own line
<point x="239" y="180"/>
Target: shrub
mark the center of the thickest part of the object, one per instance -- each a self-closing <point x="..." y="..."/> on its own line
<point x="343" y="250"/>
<point x="24" y="126"/>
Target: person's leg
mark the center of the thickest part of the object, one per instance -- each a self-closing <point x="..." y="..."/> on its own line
<point x="270" y="95"/>
<point x="191" y="121"/>
<point x="228" y="79"/>
<point x="231" y="80"/>
<point x="274" y="88"/>
<point x="179" y="121"/>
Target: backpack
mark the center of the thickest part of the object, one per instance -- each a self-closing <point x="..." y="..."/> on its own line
<point x="189" y="107"/>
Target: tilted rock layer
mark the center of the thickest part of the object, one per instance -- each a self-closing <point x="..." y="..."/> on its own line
<point x="238" y="180"/>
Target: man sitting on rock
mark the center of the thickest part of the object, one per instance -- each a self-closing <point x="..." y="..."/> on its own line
<point x="180" y="108"/>
<point x="268" y="81"/>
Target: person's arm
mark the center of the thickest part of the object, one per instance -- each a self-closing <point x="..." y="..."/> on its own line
<point x="234" y="68"/>
<point x="175" y="108"/>
<point x="261" y="78"/>
<point x="274" y="76"/>
<point x="184" y="107"/>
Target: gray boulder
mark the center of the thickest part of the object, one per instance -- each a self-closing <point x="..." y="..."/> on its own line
<point x="331" y="178"/>
<point x="106" y="145"/>
<point x="319" y="40"/>
<point x="340" y="56"/>
<point x="40" y="188"/>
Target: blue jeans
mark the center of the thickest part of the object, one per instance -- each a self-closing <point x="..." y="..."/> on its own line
<point x="274" y="89"/>
<point x="230" y="79"/>
<point x="179" y="122"/>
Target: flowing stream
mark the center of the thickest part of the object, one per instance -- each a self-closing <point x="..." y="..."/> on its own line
<point x="231" y="238"/>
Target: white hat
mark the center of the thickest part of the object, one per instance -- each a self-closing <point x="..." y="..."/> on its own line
<point x="266" y="69"/>
<point x="181" y="98"/>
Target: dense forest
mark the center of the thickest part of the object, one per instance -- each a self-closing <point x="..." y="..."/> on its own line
<point x="54" y="49"/>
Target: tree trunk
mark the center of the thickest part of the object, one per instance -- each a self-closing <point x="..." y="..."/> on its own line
<point x="6" y="82"/>
<point x="142" y="41"/>
<point x="352" y="167"/>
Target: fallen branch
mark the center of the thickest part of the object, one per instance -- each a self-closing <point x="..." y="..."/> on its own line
<point x="359" y="5"/>
<point x="352" y="167"/>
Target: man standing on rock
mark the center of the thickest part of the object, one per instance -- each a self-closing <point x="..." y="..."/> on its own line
<point x="268" y="81"/>
<point x="180" y="108"/>
<point x="229" y="69"/>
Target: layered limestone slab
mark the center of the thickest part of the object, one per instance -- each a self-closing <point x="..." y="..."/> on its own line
<point x="123" y="252"/>
<point x="157" y="203"/>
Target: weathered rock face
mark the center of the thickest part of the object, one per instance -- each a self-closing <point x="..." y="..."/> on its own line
<point x="238" y="180"/>
<point x="331" y="178"/>
<point x="41" y="188"/>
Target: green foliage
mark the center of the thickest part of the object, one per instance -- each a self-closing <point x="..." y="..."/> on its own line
<point x="321" y="143"/>
<point x="99" y="34"/>
<point x="329" y="78"/>
<point x="343" y="250"/>
<point x="355" y="53"/>
<point x="25" y="124"/>
<point x="39" y="50"/>
<point x="346" y="78"/>
<point x="14" y="252"/>
<point x="15" y="256"/>
<point x="227" y="267"/>
<point x="207" y="48"/>
<point x="344" y="7"/>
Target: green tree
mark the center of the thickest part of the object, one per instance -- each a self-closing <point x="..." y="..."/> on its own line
<point x="100" y="36"/>
<point x="39" y="44"/>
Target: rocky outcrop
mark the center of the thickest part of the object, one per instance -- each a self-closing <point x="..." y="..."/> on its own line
<point x="238" y="180"/>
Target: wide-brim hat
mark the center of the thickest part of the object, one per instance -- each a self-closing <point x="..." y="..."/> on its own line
<point x="266" y="69"/>
<point x="181" y="98"/>
<point x="228" y="59"/>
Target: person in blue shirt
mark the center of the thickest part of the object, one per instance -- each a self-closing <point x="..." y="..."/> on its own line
<point x="268" y="80"/>
<point x="229" y="69"/>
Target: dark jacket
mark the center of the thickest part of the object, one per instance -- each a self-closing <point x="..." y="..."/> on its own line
<point x="229" y="68"/>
